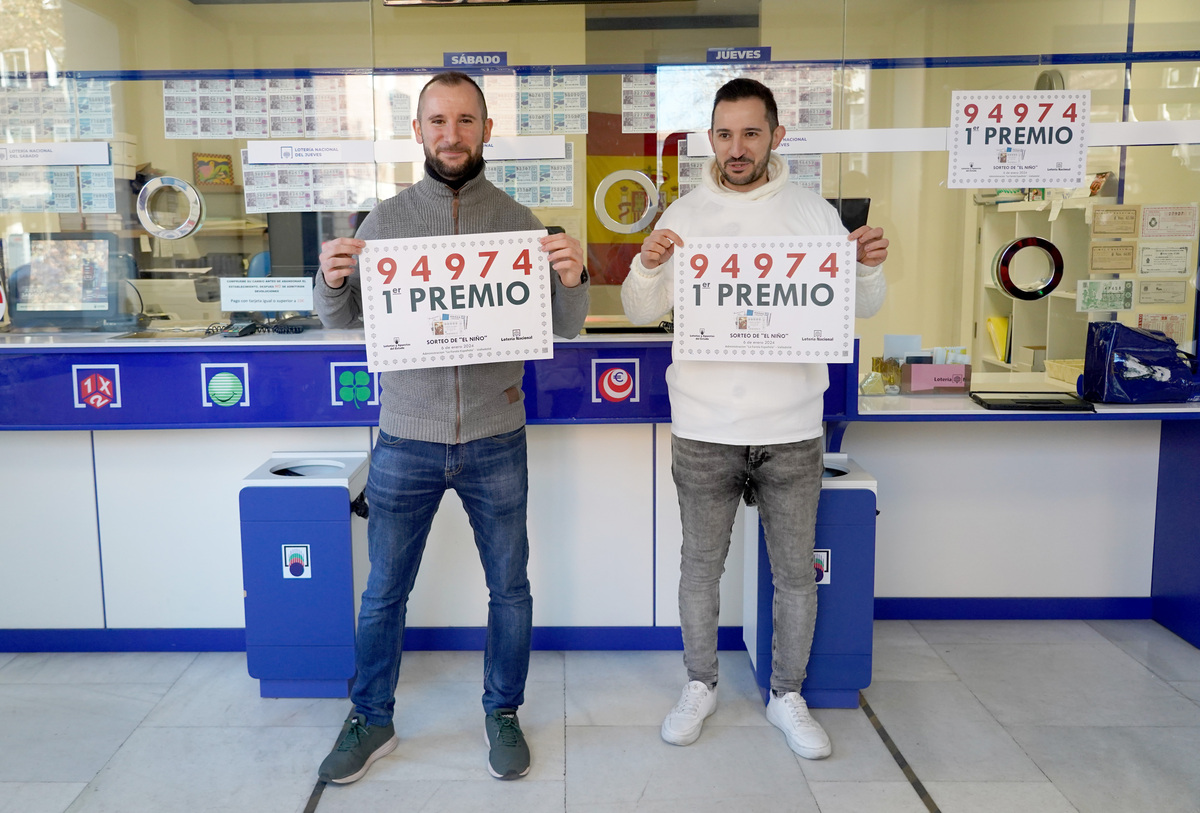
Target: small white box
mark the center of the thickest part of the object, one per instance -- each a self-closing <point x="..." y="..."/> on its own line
<point x="1030" y="358"/>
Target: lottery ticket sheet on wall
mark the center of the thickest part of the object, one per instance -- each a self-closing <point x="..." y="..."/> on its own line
<point x="803" y="170"/>
<point x="284" y="107"/>
<point x="539" y="182"/>
<point x="307" y="187"/>
<point x="37" y="110"/>
<point x="678" y="98"/>
<point x="517" y="105"/>
<point x="66" y="110"/>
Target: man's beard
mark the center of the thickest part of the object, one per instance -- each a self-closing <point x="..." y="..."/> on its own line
<point x="757" y="172"/>
<point x="466" y="170"/>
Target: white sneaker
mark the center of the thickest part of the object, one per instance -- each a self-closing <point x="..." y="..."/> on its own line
<point x="683" y="724"/>
<point x="805" y="736"/>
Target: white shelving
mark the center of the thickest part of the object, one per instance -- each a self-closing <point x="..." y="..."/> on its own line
<point x="1051" y="321"/>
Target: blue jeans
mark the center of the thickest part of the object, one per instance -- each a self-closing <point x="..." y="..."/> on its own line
<point x="785" y="482"/>
<point x="405" y="485"/>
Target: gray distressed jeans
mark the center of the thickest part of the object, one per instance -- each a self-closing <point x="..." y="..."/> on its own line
<point x="785" y="481"/>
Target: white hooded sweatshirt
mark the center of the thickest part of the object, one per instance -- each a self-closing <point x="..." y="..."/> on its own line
<point x="744" y="403"/>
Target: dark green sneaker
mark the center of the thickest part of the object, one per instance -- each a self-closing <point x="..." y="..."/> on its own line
<point x="509" y="754"/>
<point x="357" y="747"/>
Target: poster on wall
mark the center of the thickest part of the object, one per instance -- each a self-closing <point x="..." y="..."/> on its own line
<point x="446" y="301"/>
<point x="1172" y="324"/>
<point x="1103" y="295"/>
<point x="1002" y="139"/>
<point x="765" y="299"/>
<point x="1170" y="221"/>
<point x="1165" y="259"/>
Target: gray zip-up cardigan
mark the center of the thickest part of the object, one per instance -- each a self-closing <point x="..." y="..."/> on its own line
<point x="449" y="404"/>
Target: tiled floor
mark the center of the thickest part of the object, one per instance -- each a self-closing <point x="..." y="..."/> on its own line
<point x="991" y="717"/>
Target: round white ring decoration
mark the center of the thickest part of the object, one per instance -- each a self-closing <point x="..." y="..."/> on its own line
<point x="639" y="178"/>
<point x="194" y="217"/>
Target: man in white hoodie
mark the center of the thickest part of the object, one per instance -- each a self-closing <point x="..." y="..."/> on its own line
<point x="750" y="429"/>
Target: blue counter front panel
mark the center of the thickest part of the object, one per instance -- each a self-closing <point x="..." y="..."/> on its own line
<point x="202" y="386"/>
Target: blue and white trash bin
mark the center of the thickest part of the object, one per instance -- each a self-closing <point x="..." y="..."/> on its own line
<point x="844" y="567"/>
<point x="304" y="567"/>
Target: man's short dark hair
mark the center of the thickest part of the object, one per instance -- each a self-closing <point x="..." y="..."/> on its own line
<point x="452" y="78"/>
<point x="743" y="88"/>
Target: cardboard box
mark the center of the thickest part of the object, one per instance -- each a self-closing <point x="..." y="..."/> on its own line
<point x="935" y="379"/>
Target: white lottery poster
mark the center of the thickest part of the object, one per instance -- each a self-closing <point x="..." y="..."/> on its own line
<point x="463" y="299"/>
<point x="1003" y="139"/>
<point x="765" y="299"/>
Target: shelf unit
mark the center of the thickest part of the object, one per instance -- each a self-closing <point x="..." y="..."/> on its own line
<point x="1051" y="321"/>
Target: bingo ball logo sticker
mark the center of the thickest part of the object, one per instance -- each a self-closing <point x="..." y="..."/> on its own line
<point x="296" y="562"/>
<point x="225" y="389"/>
<point x="615" y="385"/>
<point x="822" y="565"/>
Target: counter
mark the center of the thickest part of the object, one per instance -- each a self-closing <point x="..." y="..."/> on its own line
<point x="983" y="514"/>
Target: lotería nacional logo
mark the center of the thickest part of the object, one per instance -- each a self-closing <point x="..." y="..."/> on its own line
<point x="615" y="380"/>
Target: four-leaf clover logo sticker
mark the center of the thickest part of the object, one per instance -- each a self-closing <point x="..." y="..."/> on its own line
<point x="354" y="386"/>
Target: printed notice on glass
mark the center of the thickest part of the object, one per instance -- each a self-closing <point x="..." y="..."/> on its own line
<point x="1165" y="260"/>
<point x="1018" y="138"/>
<point x="1171" y="222"/>
<point x="765" y="299"/>
<point x="446" y="301"/>
<point x="1112" y="258"/>
<point x="1162" y="292"/>
<point x="1104" y="295"/>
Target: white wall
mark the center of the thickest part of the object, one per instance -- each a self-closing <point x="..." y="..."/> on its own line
<point x="1012" y="509"/>
<point x="49" y="549"/>
<point x="169" y="518"/>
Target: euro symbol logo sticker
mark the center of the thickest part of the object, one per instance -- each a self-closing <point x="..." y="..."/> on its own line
<point x="615" y="381"/>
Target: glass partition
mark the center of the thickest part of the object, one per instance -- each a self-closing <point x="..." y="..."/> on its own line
<point x="183" y="89"/>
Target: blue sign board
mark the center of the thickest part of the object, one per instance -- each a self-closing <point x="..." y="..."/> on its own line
<point x="756" y="54"/>
<point x="230" y="385"/>
<point x="475" y="59"/>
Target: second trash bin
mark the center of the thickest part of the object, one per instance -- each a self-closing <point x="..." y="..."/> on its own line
<point x="844" y="568"/>
<point x="304" y="566"/>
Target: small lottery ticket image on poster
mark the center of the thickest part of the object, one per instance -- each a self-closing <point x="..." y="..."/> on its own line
<point x="765" y="299"/>
<point x="462" y="299"/>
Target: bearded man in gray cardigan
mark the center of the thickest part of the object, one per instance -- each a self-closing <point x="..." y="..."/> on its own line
<point x="448" y="427"/>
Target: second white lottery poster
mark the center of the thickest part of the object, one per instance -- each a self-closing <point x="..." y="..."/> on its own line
<point x="1017" y="139"/>
<point x="461" y="299"/>
<point x="765" y="299"/>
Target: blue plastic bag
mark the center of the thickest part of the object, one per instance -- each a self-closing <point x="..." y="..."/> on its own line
<point x="1129" y="365"/>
